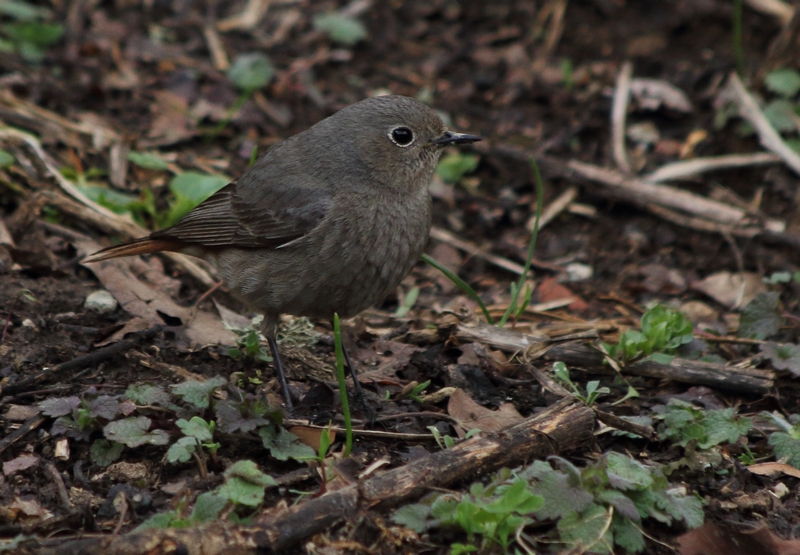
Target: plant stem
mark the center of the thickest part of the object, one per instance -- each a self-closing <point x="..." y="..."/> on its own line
<point x="531" y="246"/>
<point x="463" y="285"/>
<point x="348" y="425"/>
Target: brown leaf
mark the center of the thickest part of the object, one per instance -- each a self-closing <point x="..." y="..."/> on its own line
<point x="731" y="290"/>
<point x="471" y="415"/>
<point x="770" y="468"/>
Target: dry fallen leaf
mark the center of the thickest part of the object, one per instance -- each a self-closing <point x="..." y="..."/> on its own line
<point x="470" y="414"/>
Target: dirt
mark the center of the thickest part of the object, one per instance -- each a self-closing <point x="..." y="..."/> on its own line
<point x="145" y="72"/>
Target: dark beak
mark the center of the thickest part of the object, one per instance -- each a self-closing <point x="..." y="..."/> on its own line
<point x="450" y="138"/>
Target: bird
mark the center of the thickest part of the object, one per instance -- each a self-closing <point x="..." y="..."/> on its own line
<point x="327" y="221"/>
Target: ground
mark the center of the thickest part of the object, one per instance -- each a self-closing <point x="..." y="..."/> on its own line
<point x="104" y="104"/>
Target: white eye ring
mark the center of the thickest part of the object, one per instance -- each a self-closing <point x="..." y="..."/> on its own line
<point x="402" y="136"/>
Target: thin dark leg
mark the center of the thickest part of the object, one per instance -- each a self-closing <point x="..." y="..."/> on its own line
<point x="276" y="358"/>
<point x="356" y="383"/>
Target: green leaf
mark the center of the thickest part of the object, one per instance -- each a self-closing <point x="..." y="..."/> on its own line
<point x="625" y="473"/>
<point x="159" y="521"/>
<point x="23" y="11"/>
<point x="341" y="28"/>
<point x="622" y="503"/>
<point x="244" y="484"/>
<point x="780" y="113"/>
<point x="33" y="33"/>
<point x="181" y="450"/>
<point x="135" y="431"/>
<point x="561" y="497"/>
<point x="6" y="158"/>
<point x="147" y="394"/>
<point x="148" y="160"/>
<point x="586" y="529"/>
<point x="112" y="199"/>
<point x="627" y="535"/>
<point x="251" y="71"/>
<point x="761" y="318"/>
<point x="208" y="507"/>
<point x="190" y="189"/>
<point x="783" y="357"/>
<point x="723" y="425"/>
<point x="414" y="516"/>
<point x="197" y="393"/>
<point x="452" y="167"/>
<point x="687" y="508"/>
<point x="104" y="452"/>
<point x="286" y="445"/>
<point x="197" y="428"/>
<point x="785" y="82"/>
<point x="786" y="447"/>
<point x="58" y="406"/>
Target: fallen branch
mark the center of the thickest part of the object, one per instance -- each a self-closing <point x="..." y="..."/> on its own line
<point x="720" y="376"/>
<point x="564" y="426"/>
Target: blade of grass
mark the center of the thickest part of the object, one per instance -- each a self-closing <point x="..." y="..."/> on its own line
<point x="463" y="285"/>
<point x="738" y="42"/>
<point x="348" y="425"/>
<point x="531" y="245"/>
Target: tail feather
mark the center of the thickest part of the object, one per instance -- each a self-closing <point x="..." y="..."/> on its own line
<point x="144" y="245"/>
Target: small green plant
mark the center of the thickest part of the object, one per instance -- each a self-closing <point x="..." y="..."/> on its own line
<point x="28" y="34"/>
<point x="342" y="28"/>
<point x="243" y="490"/>
<point x="249" y="346"/>
<point x="786" y="441"/>
<point x="418" y="390"/>
<point x="782" y="277"/>
<point x="249" y="72"/>
<point x="595" y="508"/>
<point x="408" y="303"/>
<point x="762" y="317"/>
<point x="348" y="424"/>
<point x="197" y="435"/>
<point x="593" y="389"/>
<point x="452" y="167"/>
<point x="663" y="331"/>
<point x="447" y="441"/>
<point x="683" y="422"/>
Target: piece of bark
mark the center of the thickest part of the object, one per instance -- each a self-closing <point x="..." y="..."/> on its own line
<point x="566" y="425"/>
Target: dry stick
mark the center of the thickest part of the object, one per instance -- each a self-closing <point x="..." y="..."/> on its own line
<point x="455" y="241"/>
<point x="637" y="191"/>
<point x="30" y="424"/>
<point x="783" y="11"/>
<point x="731" y="378"/>
<point x="80" y="362"/>
<point x="564" y="426"/>
<point x="556" y="207"/>
<point x="619" y="110"/>
<point x="686" y="169"/>
<point x="749" y="110"/>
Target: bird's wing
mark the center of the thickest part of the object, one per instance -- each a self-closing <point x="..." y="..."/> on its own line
<point x="249" y="214"/>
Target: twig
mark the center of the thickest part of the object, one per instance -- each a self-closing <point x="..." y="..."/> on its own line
<point x="690" y="168"/>
<point x="770" y="139"/>
<point x="455" y="241"/>
<point x="783" y="11"/>
<point x="619" y="110"/>
<point x="639" y="192"/>
<point x="554" y="208"/>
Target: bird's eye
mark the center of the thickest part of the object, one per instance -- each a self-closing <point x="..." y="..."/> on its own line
<point x="401" y="136"/>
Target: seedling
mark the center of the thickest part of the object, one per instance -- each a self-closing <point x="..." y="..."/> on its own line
<point x="663" y="331"/>
<point x="593" y="389"/>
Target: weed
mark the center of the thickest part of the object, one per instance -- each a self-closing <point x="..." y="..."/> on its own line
<point x="663" y="330"/>
<point x="595" y="508"/>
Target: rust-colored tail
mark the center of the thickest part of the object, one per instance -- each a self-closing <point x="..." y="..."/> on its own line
<point x="144" y="245"/>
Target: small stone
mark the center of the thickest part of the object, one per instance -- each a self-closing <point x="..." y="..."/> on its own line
<point x="578" y="272"/>
<point x="101" y="301"/>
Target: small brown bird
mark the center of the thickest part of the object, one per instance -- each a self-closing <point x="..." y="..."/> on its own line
<point x="327" y="221"/>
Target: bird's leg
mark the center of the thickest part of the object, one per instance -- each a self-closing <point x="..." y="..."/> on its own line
<point x="270" y="331"/>
<point x="359" y="396"/>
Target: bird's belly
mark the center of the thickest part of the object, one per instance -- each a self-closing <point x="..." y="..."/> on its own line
<point x="343" y="270"/>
